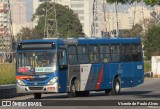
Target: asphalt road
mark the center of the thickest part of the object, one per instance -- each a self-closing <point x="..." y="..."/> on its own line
<point x="149" y="90"/>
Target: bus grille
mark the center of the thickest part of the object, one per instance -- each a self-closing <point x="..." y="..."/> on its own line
<point x="36" y="79"/>
<point x="38" y="84"/>
<point x="35" y="88"/>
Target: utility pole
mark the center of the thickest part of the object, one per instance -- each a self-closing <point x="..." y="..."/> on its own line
<point x="134" y="14"/>
<point x="95" y="17"/>
<point x="105" y="19"/>
<point x="144" y="27"/>
<point x="50" y="30"/>
<point x="117" y="26"/>
<point x="99" y="20"/>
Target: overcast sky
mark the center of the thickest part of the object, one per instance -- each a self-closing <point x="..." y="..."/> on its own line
<point x="121" y="8"/>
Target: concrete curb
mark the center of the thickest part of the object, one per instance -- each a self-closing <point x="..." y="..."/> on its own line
<point x="8" y="91"/>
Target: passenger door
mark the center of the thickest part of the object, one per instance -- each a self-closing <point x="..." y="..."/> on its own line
<point x="62" y="66"/>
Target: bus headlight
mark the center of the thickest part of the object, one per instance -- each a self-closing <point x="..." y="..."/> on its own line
<point x="52" y="81"/>
<point x="20" y="82"/>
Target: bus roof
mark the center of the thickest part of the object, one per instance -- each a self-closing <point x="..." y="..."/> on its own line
<point x="82" y="41"/>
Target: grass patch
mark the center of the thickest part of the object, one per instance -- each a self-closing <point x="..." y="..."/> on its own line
<point x="147" y="66"/>
<point x="7" y="74"/>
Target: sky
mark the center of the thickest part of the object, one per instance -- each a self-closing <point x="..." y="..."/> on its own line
<point x="120" y="8"/>
<point x="123" y="8"/>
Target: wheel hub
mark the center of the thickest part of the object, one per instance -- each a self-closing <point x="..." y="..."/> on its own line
<point x="117" y="87"/>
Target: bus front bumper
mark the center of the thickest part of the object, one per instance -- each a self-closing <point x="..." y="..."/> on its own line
<point x="37" y="89"/>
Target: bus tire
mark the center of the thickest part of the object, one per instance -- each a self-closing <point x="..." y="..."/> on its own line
<point x="73" y="92"/>
<point x="116" y="87"/>
<point x="108" y="91"/>
<point x="83" y="93"/>
<point x="37" y="95"/>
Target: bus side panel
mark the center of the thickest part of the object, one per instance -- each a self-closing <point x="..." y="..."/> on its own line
<point x="128" y="75"/>
<point x="138" y="69"/>
<point x="107" y="80"/>
<point x="85" y="74"/>
<point x="116" y="69"/>
<point x="62" y="81"/>
<point x="95" y="77"/>
<point x="89" y="76"/>
<point x="73" y="72"/>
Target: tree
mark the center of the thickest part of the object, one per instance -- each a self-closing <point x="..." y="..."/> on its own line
<point x="148" y="2"/>
<point x="68" y="22"/>
<point x="148" y="23"/>
<point x="124" y="33"/>
<point x="134" y="32"/>
<point x="25" y="33"/>
<point x="151" y="42"/>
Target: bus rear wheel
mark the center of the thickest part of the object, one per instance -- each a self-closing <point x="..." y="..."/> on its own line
<point x="37" y="95"/>
<point x="116" y="88"/>
<point x="108" y="91"/>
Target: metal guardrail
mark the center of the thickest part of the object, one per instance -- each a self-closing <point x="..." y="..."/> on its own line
<point x="9" y="91"/>
<point x="10" y="86"/>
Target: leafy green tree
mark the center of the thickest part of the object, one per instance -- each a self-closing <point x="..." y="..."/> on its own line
<point x="148" y="2"/>
<point x="68" y="22"/>
<point x="151" y="41"/>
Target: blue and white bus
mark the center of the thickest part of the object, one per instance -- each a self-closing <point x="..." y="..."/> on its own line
<point x="77" y="66"/>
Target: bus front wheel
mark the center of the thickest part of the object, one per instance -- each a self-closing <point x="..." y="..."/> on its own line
<point x="37" y="95"/>
<point x="83" y="93"/>
<point x="73" y="92"/>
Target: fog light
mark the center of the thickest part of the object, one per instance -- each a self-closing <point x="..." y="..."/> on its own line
<point x="50" y="88"/>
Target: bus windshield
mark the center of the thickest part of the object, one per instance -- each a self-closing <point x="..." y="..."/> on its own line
<point x="35" y="63"/>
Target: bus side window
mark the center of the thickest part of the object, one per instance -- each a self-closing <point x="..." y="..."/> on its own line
<point x="72" y="55"/>
<point x="136" y="53"/>
<point x="62" y="57"/>
<point x="94" y="53"/>
<point x="105" y="53"/>
<point x="82" y="54"/>
<point x="126" y="53"/>
<point x="115" y="53"/>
